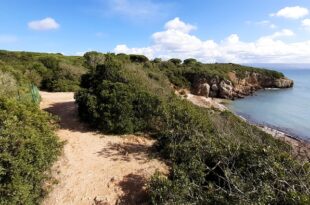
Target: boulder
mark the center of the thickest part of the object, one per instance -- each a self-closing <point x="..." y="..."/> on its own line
<point x="214" y="87"/>
<point x="226" y="89"/>
<point x="203" y="90"/>
<point x="236" y="86"/>
<point x="283" y="83"/>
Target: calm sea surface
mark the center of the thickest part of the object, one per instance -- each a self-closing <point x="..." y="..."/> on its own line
<point x="285" y="109"/>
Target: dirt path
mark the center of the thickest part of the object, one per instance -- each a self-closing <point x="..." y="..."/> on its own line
<point x="94" y="168"/>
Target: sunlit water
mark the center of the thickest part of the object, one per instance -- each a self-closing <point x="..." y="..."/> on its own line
<point x="285" y="109"/>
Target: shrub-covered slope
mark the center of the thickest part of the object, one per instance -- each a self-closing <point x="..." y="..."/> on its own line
<point x="215" y="158"/>
<point x="28" y="144"/>
<point x="52" y="72"/>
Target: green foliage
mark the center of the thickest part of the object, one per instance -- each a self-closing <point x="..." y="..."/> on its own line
<point x="215" y="157"/>
<point x="28" y="146"/>
<point x="8" y="84"/>
<point x="182" y="75"/>
<point x="176" y="61"/>
<point x="157" y="60"/>
<point x="138" y="58"/>
<point x="93" y="59"/>
<point x="219" y="159"/>
<point x="111" y="104"/>
<point x="190" y="61"/>
<point x="52" y="72"/>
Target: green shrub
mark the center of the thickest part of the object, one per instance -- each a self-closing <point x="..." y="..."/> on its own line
<point x="176" y="61"/>
<point x="190" y="61"/>
<point x="8" y="84"/>
<point x="93" y="59"/>
<point x="111" y="104"/>
<point x="52" y="72"/>
<point x="28" y="147"/>
<point x="225" y="161"/>
<point x="138" y="58"/>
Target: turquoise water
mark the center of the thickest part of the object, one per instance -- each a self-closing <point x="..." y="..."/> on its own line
<point x="285" y="109"/>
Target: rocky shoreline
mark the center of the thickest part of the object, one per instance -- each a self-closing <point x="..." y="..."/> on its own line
<point x="301" y="147"/>
<point x="210" y="92"/>
<point x="235" y="86"/>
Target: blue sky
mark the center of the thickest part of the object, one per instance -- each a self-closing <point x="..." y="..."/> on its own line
<point x="210" y="30"/>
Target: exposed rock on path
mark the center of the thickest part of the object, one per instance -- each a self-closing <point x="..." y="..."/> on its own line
<point x="95" y="168"/>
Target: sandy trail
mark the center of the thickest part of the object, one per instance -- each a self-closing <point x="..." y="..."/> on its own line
<point x="94" y="168"/>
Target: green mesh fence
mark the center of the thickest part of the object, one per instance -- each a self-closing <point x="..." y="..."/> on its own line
<point x="32" y="95"/>
<point x="35" y="94"/>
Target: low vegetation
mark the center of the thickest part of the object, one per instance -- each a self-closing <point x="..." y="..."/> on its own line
<point x="28" y="145"/>
<point x="51" y="72"/>
<point x="215" y="157"/>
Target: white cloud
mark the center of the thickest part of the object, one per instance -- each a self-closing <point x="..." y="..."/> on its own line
<point x="282" y="33"/>
<point x="273" y="26"/>
<point x="5" y="39"/>
<point x="267" y="23"/>
<point x="180" y="43"/>
<point x="295" y="12"/>
<point x="306" y="24"/>
<point x="178" y="25"/>
<point x="233" y="39"/>
<point x="44" y="24"/>
<point x="264" y="23"/>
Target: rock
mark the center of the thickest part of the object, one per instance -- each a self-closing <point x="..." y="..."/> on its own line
<point x="113" y="179"/>
<point x="214" y="87"/>
<point x="226" y="89"/>
<point x="203" y="90"/>
<point x="236" y="86"/>
<point x="283" y="83"/>
<point x="101" y="200"/>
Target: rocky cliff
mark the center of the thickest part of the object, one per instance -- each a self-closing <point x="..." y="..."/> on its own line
<point x="235" y="86"/>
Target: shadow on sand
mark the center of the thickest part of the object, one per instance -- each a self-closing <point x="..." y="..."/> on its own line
<point x="133" y="187"/>
<point x="68" y="115"/>
<point x="127" y="152"/>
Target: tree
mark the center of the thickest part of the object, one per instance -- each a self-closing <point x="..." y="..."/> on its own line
<point x="138" y="58"/>
<point x="93" y="59"/>
<point x="190" y="61"/>
<point x="176" y="61"/>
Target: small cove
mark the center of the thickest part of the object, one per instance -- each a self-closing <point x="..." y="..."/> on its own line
<point x="287" y="110"/>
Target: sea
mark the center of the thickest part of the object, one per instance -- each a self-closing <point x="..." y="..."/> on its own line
<point x="287" y="110"/>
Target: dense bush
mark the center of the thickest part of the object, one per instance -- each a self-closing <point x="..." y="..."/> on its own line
<point x="8" y="84"/>
<point x="180" y="74"/>
<point x="219" y="159"/>
<point x="190" y="61"/>
<point x="52" y="72"/>
<point x="176" y="61"/>
<point x="138" y="58"/>
<point x="28" y="146"/>
<point x="92" y="59"/>
<point x="110" y="103"/>
<point x="215" y="157"/>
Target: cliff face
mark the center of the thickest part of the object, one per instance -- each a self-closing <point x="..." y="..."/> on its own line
<point x="236" y="87"/>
